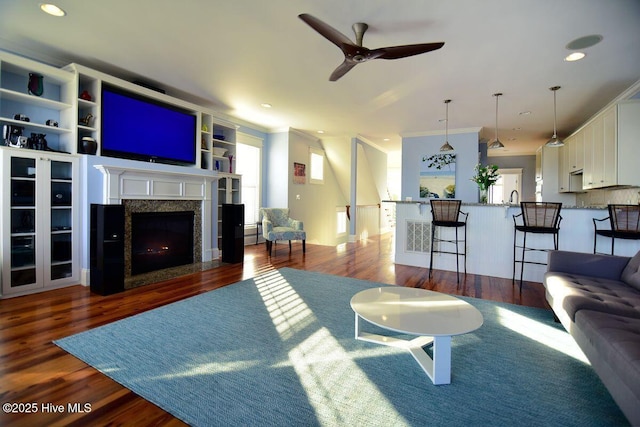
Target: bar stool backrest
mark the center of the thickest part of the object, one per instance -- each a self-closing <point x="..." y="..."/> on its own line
<point x="541" y="214"/>
<point x="625" y="217"/>
<point x="445" y="210"/>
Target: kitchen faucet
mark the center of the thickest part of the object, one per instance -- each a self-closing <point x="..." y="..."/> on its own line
<point x="517" y="196"/>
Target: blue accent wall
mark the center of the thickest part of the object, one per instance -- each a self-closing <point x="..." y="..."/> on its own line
<point x="466" y="149"/>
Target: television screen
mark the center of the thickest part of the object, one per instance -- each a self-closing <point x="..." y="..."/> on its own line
<point x="135" y="127"/>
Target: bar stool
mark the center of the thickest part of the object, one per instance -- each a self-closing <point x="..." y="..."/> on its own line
<point x="624" y="222"/>
<point x="537" y="218"/>
<point x="446" y="213"/>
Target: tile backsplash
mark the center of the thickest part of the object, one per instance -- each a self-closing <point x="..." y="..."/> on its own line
<point x="628" y="195"/>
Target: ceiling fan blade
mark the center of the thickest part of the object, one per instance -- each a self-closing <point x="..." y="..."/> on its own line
<point x="327" y="31"/>
<point x="342" y="70"/>
<point x="395" y="52"/>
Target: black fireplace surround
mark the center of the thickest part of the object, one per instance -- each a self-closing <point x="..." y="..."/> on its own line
<point x="161" y="240"/>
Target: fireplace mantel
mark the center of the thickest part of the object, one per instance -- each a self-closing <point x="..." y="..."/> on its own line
<point x="121" y="183"/>
<point x="126" y="183"/>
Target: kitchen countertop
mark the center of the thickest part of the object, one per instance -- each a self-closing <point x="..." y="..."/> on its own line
<point x="489" y="205"/>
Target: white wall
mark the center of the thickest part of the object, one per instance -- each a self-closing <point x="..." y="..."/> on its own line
<point x="315" y="204"/>
<point x="371" y="175"/>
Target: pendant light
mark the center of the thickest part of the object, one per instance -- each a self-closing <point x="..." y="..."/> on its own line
<point x="446" y="146"/>
<point x="554" y="141"/>
<point x="496" y="144"/>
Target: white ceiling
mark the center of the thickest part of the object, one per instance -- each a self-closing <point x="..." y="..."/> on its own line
<point x="234" y="55"/>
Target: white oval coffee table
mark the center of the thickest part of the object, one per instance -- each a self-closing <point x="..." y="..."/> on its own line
<point x="433" y="316"/>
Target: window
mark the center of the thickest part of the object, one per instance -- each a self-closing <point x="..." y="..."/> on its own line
<point x="508" y="187"/>
<point x="248" y="164"/>
<point x="316" y="160"/>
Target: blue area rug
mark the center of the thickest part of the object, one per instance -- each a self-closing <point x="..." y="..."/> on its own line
<point x="279" y="350"/>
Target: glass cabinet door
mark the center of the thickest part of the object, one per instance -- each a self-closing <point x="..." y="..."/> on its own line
<point x="22" y="201"/>
<point x="61" y="220"/>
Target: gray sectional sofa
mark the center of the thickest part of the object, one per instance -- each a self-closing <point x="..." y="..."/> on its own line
<point x="597" y="299"/>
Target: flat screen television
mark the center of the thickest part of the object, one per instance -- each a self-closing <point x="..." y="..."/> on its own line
<point x="140" y="128"/>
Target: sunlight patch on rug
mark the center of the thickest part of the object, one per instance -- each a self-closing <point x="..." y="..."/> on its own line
<point x="315" y="358"/>
<point x="553" y="338"/>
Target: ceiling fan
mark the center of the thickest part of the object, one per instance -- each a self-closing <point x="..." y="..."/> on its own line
<point x="355" y="53"/>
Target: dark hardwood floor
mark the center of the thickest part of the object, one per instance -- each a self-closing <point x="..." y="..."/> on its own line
<point x="35" y="374"/>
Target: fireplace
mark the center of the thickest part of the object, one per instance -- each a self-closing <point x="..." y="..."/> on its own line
<point x="141" y="268"/>
<point x="143" y="188"/>
<point x="161" y="240"/>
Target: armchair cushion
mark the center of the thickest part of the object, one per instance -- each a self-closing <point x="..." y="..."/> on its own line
<point x="276" y="225"/>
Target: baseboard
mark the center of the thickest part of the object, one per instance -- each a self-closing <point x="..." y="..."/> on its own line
<point x="85" y="276"/>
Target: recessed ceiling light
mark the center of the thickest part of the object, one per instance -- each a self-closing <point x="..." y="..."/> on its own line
<point x="524" y="113"/>
<point x="386" y="139"/>
<point x="516" y="129"/>
<point x="320" y="131"/>
<point x="266" y="105"/>
<point x="575" y="56"/>
<point x="52" y="9"/>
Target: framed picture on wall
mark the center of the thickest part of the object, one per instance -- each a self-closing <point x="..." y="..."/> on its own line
<point x="438" y="176"/>
<point x="299" y="173"/>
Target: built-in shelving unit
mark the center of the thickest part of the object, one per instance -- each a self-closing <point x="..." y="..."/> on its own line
<point x="217" y="144"/>
<point x="39" y="219"/>
<point x="213" y="132"/>
<point x="54" y="105"/>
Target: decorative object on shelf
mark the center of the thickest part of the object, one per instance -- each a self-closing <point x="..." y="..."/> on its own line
<point x="219" y="137"/>
<point x="446" y="146"/>
<point x="554" y="141"/>
<point x="52" y="123"/>
<point x="88" y="145"/>
<point x="12" y="136"/>
<point x="437" y="172"/>
<point x="86" y="96"/>
<point x="231" y="164"/>
<point x="37" y="141"/>
<point x="86" y="120"/>
<point x="496" y="144"/>
<point x="21" y="117"/>
<point x="485" y="177"/>
<point x="219" y="152"/>
<point x="35" y="85"/>
<point x="205" y="128"/>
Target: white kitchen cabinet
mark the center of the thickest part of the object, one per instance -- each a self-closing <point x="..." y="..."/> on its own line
<point x="616" y="130"/>
<point x="39" y="221"/>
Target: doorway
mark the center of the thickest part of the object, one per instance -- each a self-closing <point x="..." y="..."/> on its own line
<point x="508" y="188"/>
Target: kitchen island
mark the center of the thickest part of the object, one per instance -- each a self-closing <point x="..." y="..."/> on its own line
<point x="490" y="238"/>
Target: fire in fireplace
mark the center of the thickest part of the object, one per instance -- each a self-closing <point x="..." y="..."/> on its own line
<point x="161" y="240"/>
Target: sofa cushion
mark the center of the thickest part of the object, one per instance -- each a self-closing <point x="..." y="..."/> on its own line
<point x="615" y="341"/>
<point x="575" y="292"/>
<point x="631" y="273"/>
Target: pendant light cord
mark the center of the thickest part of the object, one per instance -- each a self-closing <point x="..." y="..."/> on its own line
<point x="554" y="89"/>
<point x="497" y="95"/>
<point x="446" y="124"/>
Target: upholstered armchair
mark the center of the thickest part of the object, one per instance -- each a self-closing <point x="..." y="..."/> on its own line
<point x="276" y="225"/>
